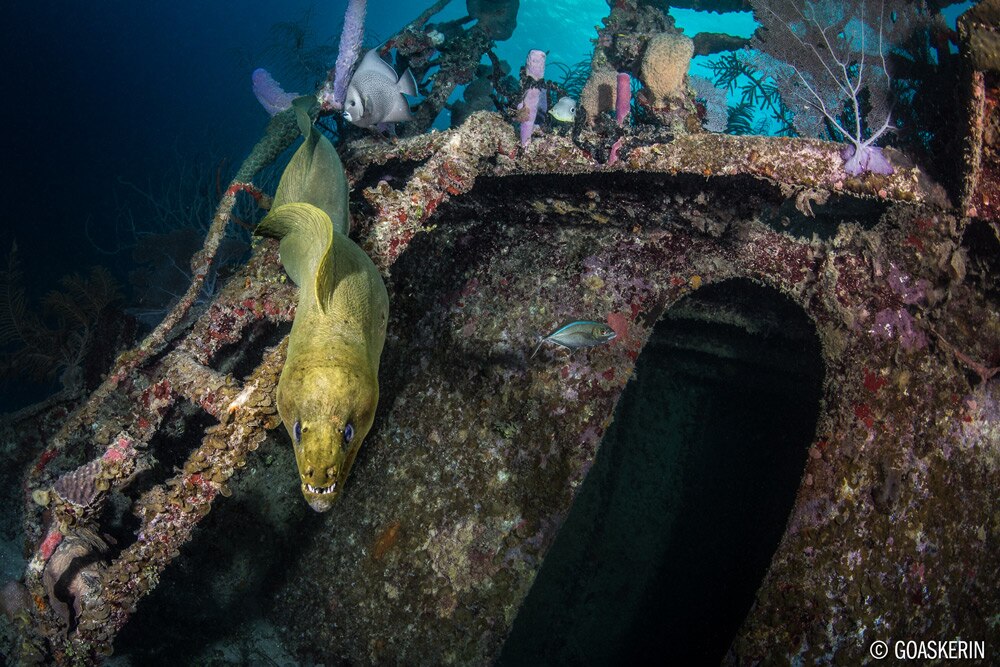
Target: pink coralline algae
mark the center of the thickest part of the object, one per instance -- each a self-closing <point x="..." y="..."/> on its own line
<point x="627" y="335"/>
<point x="119" y="451"/>
<point x="898" y="324"/>
<point x="910" y="291"/>
<point x="619" y="322"/>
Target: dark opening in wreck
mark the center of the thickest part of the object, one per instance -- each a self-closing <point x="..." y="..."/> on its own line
<point x="674" y="527"/>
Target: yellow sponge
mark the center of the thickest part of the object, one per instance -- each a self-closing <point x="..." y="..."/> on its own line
<point x="665" y="63"/>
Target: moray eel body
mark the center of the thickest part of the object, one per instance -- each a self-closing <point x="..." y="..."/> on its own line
<point x="328" y="389"/>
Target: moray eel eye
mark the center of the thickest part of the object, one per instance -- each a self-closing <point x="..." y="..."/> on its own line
<point x="297" y="430"/>
<point x="348" y="433"/>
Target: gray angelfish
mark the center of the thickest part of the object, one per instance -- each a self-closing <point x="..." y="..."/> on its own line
<point x="375" y="94"/>
<point x="579" y="334"/>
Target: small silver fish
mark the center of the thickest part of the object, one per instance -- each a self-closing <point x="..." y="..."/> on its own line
<point x="579" y="334"/>
<point x="375" y="94"/>
<point x="564" y="110"/>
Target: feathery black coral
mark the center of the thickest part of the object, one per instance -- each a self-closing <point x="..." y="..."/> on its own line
<point x="40" y="347"/>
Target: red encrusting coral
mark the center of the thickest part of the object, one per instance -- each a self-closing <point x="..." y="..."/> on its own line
<point x="49" y="544"/>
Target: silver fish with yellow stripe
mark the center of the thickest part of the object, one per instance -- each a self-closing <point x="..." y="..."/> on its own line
<point x="582" y="333"/>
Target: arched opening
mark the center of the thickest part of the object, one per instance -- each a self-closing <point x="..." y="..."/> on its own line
<point x="674" y="527"/>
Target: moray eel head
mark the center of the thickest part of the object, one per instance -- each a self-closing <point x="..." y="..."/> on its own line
<point x="327" y="414"/>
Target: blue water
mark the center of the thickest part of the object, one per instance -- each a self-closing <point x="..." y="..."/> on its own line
<point x="102" y="97"/>
<point x="98" y="92"/>
<point x="120" y="89"/>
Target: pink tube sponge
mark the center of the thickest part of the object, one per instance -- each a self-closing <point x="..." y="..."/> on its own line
<point x="269" y="92"/>
<point x="623" y="97"/>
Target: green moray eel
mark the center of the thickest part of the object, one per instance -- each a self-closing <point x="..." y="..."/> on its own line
<point x="328" y="389"/>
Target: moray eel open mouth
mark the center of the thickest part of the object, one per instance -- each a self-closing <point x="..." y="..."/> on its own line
<point x="321" y="498"/>
<point x="320" y="490"/>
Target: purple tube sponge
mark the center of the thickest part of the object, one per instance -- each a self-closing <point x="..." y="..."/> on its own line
<point x="347" y="54"/>
<point x="534" y="66"/>
<point x="528" y="109"/>
<point x="534" y="100"/>
<point x="269" y="92"/>
<point x="623" y="97"/>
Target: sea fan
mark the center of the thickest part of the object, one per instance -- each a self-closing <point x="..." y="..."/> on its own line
<point x="734" y="73"/>
<point x="12" y="302"/>
<point x="832" y="63"/>
<point x="41" y="349"/>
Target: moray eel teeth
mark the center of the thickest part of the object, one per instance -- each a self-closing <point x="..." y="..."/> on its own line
<point x="321" y="491"/>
